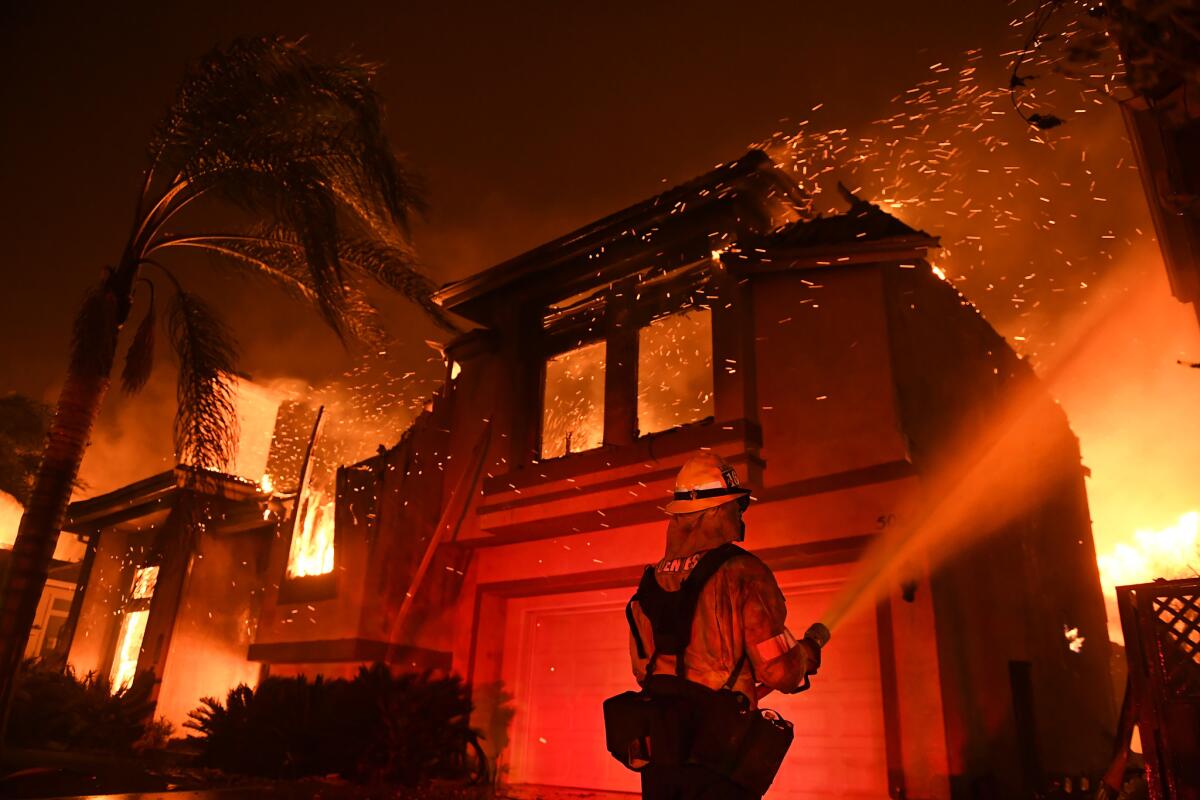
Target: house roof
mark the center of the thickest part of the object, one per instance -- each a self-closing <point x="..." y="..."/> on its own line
<point x="762" y="196"/>
<point x="594" y="253"/>
<point x="152" y="495"/>
<point x="862" y="223"/>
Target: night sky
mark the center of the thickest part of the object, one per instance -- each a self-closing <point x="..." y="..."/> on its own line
<point x="526" y="119"/>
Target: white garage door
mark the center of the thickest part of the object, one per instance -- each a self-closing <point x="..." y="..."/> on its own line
<point x="570" y="653"/>
<point x="565" y="654"/>
<point x="839" y="746"/>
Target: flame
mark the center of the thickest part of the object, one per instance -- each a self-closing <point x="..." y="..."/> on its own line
<point x="133" y="628"/>
<point x="265" y="484"/>
<point x="312" y="543"/>
<point x="1074" y="640"/>
<point x="1170" y="552"/>
<point x="129" y="647"/>
<point x="145" y="580"/>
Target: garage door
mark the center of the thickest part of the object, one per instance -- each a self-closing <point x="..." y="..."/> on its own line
<point x="572" y="652"/>
<point x="565" y="654"/>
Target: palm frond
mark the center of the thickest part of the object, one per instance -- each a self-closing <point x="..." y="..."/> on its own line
<point x="298" y="143"/>
<point x="139" y="358"/>
<point x="283" y="262"/>
<point x="395" y="266"/>
<point x="260" y="103"/>
<point x="206" y="421"/>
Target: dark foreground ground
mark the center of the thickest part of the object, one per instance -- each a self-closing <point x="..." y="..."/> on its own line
<point x="45" y="774"/>
<point x="285" y="792"/>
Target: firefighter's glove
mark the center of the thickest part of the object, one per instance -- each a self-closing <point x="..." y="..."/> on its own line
<point x="818" y="633"/>
<point x="816" y="637"/>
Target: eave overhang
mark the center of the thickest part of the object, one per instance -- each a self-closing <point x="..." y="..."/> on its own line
<point x="154" y="496"/>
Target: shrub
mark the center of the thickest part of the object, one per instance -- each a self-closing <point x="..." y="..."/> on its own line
<point x="377" y="727"/>
<point x="155" y="735"/>
<point x="53" y="708"/>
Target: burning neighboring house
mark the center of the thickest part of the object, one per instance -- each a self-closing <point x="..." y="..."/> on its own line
<point x="503" y="534"/>
<point x="175" y="569"/>
<point x="173" y="584"/>
<point x="183" y="567"/>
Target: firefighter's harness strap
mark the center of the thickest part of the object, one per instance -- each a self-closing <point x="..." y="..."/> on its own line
<point x="671" y="613"/>
<point x="633" y="628"/>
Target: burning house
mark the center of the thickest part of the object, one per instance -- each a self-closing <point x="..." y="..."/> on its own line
<point x="173" y="579"/>
<point x="825" y="359"/>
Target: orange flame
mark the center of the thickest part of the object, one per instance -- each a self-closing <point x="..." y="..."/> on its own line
<point x="129" y="647"/>
<point x="133" y="628"/>
<point x="312" y="544"/>
<point x="1170" y="552"/>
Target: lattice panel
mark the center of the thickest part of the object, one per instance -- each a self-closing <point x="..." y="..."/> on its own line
<point x="1177" y="634"/>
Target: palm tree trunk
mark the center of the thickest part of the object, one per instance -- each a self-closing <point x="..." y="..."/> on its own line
<point x="93" y="354"/>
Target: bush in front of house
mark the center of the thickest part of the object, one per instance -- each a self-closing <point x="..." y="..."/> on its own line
<point x="377" y="727"/>
<point x="53" y="708"/>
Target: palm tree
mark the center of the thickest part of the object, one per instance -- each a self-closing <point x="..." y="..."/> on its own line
<point x="296" y="146"/>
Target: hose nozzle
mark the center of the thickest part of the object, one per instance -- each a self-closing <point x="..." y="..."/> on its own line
<point x="818" y="634"/>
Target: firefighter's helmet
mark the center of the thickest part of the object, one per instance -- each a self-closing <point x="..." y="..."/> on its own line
<point x="706" y="481"/>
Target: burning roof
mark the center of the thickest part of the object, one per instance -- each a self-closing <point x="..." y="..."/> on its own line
<point x="743" y="197"/>
<point x="862" y="222"/>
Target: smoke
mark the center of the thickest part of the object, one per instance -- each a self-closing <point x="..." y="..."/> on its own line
<point x="1115" y="365"/>
<point x="1133" y="403"/>
<point x="132" y="438"/>
<point x="368" y="405"/>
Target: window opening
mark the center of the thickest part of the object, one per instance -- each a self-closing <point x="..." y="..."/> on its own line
<point x="675" y="371"/>
<point x="314" y="523"/>
<point x="311" y="552"/>
<point x="134" y="616"/>
<point x="573" y="401"/>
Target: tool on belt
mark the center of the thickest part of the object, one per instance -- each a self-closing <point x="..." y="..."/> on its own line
<point x="673" y="721"/>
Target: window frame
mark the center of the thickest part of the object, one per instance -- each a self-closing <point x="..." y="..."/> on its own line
<point x="626" y="306"/>
<point x="705" y="420"/>
<point x="556" y="347"/>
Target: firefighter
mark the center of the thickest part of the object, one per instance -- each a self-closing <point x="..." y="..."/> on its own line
<point x="738" y="638"/>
